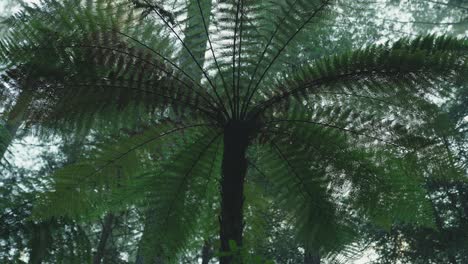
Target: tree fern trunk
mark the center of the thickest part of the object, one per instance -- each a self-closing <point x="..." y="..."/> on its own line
<point x="234" y="169"/>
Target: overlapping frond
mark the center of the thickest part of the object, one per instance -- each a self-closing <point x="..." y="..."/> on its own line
<point x="98" y="58"/>
<point x="104" y="177"/>
<point x="303" y="191"/>
<point x="179" y="193"/>
<point x="405" y="68"/>
<point x="331" y="172"/>
<point x="169" y="171"/>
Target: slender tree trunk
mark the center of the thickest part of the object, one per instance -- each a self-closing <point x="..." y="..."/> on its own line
<point x="311" y="257"/>
<point x="40" y="243"/>
<point x="139" y="257"/>
<point x="234" y="168"/>
<point x="15" y="117"/>
<point x="144" y="254"/>
<point x="439" y="224"/>
<point x="105" y="233"/>
<point x="207" y="252"/>
<point x="195" y="41"/>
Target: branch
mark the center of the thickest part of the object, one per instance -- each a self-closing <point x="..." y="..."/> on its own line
<point x="447" y="4"/>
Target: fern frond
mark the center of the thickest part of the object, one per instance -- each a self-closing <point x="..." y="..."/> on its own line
<point x="108" y="171"/>
<point x="180" y="194"/>
<point x="299" y="18"/>
<point x="382" y="185"/>
<point x="401" y="69"/>
<point x="95" y="55"/>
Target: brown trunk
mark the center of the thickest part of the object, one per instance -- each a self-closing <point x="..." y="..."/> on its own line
<point x="234" y="169"/>
<point x="105" y="233"/>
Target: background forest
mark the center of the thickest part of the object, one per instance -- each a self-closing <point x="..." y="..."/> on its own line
<point x="193" y="131"/>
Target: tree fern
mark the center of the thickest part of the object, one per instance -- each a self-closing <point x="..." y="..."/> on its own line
<point x="337" y="124"/>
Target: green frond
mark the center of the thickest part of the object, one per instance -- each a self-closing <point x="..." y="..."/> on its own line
<point x="323" y="174"/>
<point x="107" y="176"/>
<point x="89" y="62"/>
<point x="405" y="68"/>
<point x="175" y="188"/>
<point x="179" y="193"/>
<point x="302" y="190"/>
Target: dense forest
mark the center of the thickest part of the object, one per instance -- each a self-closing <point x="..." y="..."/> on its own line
<point x="234" y="131"/>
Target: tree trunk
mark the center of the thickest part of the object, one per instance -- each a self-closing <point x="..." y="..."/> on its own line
<point x="234" y="169"/>
<point x="105" y="233"/>
<point x="15" y="117"/>
<point x="195" y="41"/>
<point x="41" y="242"/>
<point x="311" y="257"/>
<point x="207" y="252"/>
<point x="146" y="254"/>
<point x="139" y="256"/>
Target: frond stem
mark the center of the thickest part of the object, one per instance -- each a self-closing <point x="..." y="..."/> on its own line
<point x="144" y="143"/>
<point x="214" y="57"/>
<point x="336" y="127"/>
<point x="220" y="101"/>
<point x="264" y="52"/>
<point x="240" y="57"/>
<point x="313" y="15"/>
<point x="185" y="178"/>
<point x="291" y="168"/>
<point x="234" y="61"/>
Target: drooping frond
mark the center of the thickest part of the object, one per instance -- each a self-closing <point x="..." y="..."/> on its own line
<point x="306" y="160"/>
<point x="182" y="190"/>
<point x="169" y="171"/>
<point x="94" y="183"/>
<point x="370" y="123"/>
<point x="302" y="191"/>
<point x="97" y="58"/>
<point x="383" y="184"/>
<point x="404" y="68"/>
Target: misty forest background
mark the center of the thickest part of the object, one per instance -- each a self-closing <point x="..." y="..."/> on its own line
<point x="193" y="131"/>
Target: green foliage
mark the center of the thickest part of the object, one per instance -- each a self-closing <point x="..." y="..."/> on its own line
<point x="338" y="137"/>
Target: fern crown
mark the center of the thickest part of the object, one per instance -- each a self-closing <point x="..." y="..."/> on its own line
<point x="164" y="83"/>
